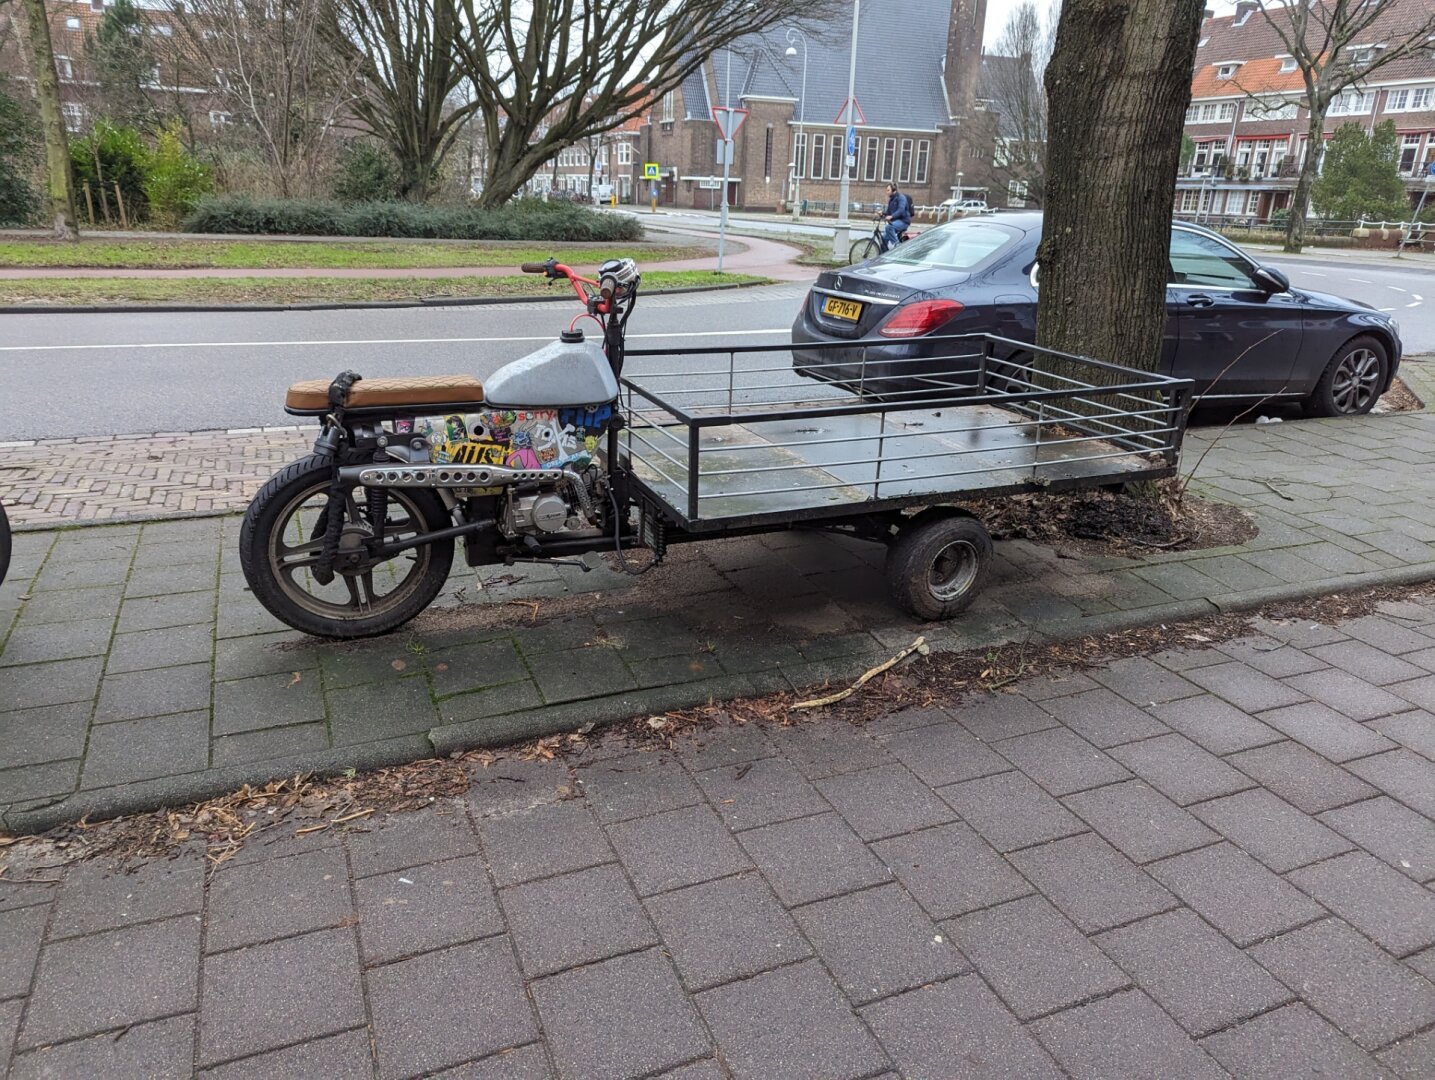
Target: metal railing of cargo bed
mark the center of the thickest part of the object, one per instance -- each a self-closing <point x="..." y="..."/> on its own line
<point x="1077" y="411"/>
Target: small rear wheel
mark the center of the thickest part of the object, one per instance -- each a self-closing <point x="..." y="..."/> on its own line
<point x="937" y="564"/>
<point x="866" y="249"/>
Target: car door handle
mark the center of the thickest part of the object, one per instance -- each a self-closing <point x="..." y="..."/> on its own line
<point x="1200" y="300"/>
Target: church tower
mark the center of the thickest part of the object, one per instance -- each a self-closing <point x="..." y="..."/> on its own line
<point x="964" y="55"/>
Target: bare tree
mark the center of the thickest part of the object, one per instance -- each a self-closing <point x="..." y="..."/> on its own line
<point x="406" y="53"/>
<point x="52" y="120"/>
<point x="1015" y="84"/>
<point x="551" y="72"/>
<point x="269" y="66"/>
<point x="1338" y="45"/>
<point x="1118" y="82"/>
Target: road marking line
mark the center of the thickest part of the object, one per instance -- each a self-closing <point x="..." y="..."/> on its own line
<point x="1416" y="296"/>
<point x="1395" y="288"/>
<point x="1416" y="304"/>
<point x="1361" y="281"/>
<point x="376" y="341"/>
<point x="1312" y="273"/>
<point x="1387" y="309"/>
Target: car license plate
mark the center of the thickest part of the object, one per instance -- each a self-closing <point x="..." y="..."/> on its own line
<point x="849" y="310"/>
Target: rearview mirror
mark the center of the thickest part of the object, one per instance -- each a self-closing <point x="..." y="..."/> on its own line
<point x="1271" y="280"/>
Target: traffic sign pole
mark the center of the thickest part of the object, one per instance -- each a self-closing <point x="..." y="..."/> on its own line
<point x="728" y="120"/>
<point x="842" y="235"/>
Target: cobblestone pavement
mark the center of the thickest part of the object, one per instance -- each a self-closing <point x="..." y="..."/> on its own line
<point x="112" y="477"/>
<point x="138" y="670"/>
<point x="1195" y="864"/>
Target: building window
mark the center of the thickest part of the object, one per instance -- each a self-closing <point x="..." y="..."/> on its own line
<point x="1211" y="112"/>
<point x="1352" y="103"/>
<point x="1269" y="109"/>
<point x="161" y="30"/>
<point x="1409" y="100"/>
<point x="1363" y="55"/>
<point x="1016" y="193"/>
<point x="219" y="119"/>
<point x="889" y="158"/>
<point x="904" y="164"/>
<point x="668" y="106"/>
<point x="924" y="154"/>
<point x="1288" y="64"/>
<point x="835" y="153"/>
<point x="799" y="153"/>
<point x="74" y="115"/>
<point x="767" y="154"/>
<point x="869" y="163"/>
<point x="625" y="153"/>
<point x="1409" y="153"/>
<point x="819" y="154"/>
<point x="1226" y="71"/>
<point x="72" y="23"/>
<point x="1189" y="201"/>
<point x="64" y="67"/>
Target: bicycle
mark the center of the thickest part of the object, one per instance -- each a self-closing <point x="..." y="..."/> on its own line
<point x="872" y="246"/>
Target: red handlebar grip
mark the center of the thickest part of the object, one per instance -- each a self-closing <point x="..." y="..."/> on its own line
<point x="534" y="268"/>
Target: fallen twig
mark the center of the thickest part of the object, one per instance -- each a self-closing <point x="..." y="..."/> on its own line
<point x="918" y="646"/>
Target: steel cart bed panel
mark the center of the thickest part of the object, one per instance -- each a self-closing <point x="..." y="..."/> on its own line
<point x="722" y="438"/>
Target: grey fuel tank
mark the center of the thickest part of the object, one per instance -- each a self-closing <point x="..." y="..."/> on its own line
<point x="569" y="372"/>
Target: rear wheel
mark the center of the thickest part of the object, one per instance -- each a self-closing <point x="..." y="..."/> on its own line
<point x="866" y="249"/>
<point x="1352" y="382"/>
<point x="937" y="564"/>
<point x="283" y="535"/>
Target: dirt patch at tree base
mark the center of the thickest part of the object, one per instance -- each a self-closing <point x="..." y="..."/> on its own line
<point x="1121" y="523"/>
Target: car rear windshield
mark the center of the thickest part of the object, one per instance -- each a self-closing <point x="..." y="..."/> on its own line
<point x="962" y="245"/>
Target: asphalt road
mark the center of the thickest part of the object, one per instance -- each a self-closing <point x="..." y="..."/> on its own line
<point x="109" y="374"/>
<point x="118" y="374"/>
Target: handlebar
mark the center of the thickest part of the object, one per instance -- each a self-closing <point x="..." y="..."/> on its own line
<point x="534" y="268"/>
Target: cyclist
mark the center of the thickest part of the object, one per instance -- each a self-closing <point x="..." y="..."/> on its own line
<point x="898" y="217"/>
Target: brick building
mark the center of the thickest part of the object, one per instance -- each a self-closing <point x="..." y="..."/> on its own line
<point x="1250" y="127"/>
<point x="73" y="25"/>
<point x="923" y="119"/>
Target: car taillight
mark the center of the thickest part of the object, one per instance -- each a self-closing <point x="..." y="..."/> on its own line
<point x="920" y="318"/>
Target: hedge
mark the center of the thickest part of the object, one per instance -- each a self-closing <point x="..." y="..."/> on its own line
<point x="525" y="219"/>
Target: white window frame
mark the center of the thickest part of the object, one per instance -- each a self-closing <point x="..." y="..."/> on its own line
<point x="923" y="163"/>
<point x="799" y="154"/>
<point x="64" y="67"/>
<point x="74" y="114"/>
<point x="1352" y="103"/>
<point x="873" y="159"/>
<point x="904" y="162"/>
<point x="1017" y="192"/>
<point x="218" y="118"/>
<point x="72" y="22"/>
<point x="668" y="106"/>
<point x="836" y="156"/>
<point x="1288" y="64"/>
<point x="1227" y="71"/>
<point x="889" y="160"/>
<point x="1410" y="143"/>
<point x="818" y="156"/>
<point x="625" y="153"/>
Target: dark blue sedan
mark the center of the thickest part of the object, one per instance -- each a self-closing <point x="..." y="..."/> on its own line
<point x="1334" y="356"/>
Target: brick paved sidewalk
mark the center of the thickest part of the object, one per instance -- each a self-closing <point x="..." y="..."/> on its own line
<point x="1188" y="865"/>
<point x="137" y="669"/>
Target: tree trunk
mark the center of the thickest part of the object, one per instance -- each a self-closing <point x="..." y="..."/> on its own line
<point x="1119" y="82"/>
<point x="52" y="121"/>
<point x="1309" y="170"/>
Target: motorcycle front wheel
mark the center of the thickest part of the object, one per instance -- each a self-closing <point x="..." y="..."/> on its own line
<point x="283" y="535"/>
<point x="4" y="543"/>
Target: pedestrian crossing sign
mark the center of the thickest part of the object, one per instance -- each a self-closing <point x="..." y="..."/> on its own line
<point x="650" y="170"/>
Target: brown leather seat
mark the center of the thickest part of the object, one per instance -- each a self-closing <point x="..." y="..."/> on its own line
<point x="313" y="396"/>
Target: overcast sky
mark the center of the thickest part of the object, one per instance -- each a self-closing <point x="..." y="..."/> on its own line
<point x="998" y="10"/>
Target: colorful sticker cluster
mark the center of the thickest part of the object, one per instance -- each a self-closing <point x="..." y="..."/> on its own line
<point x="519" y="439"/>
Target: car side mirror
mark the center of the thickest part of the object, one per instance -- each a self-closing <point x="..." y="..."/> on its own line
<point x="1271" y="280"/>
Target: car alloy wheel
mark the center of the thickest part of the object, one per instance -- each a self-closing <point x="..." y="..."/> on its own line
<point x="1357" y="381"/>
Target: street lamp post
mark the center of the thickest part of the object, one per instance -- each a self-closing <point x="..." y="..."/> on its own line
<point x="842" y="235"/>
<point x="792" y="34"/>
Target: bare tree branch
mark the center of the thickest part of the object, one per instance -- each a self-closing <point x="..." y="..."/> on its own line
<point x="1320" y="36"/>
<point x="549" y="73"/>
